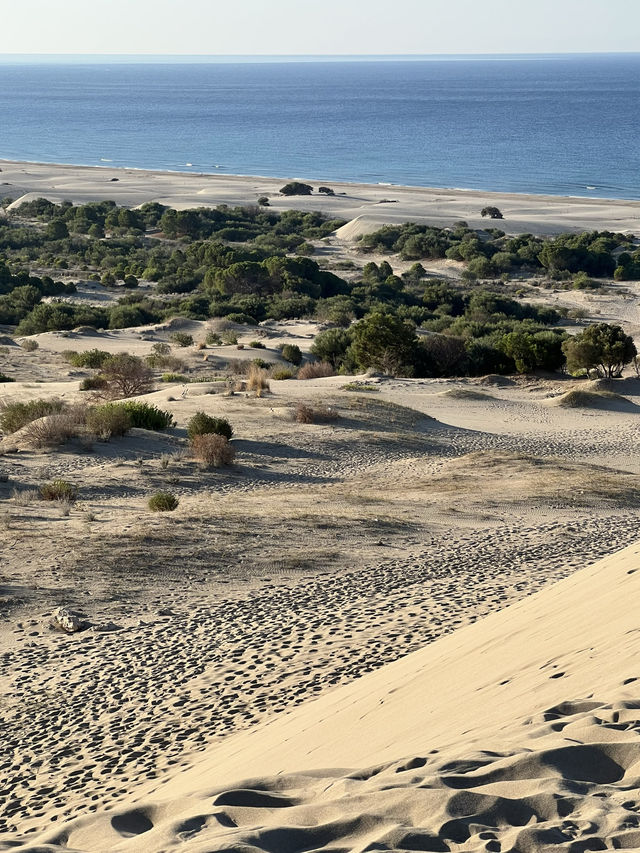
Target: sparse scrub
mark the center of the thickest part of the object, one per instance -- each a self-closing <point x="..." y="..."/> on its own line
<point x="257" y="379"/>
<point x="213" y="339"/>
<point x="203" y="424"/>
<point x="54" y="430"/>
<point x="126" y="375"/>
<point x="24" y="497"/>
<point x="59" y="490"/>
<point x="30" y="345"/>
<point x="163" y="502"/>
<point x="316" y="370"/>
<point x="174" y="377"/>
<point x="229" y="338"/>
<point x="183" y="339"/>
<point x="305" y="414"/>
<point x="257" y="345"/>
<point x="5" y="378"/>
<point x="93" y="383"/>
<point x="13" y="416"/>
<point x="213" y="450"/>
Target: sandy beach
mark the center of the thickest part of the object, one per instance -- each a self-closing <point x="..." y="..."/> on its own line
<point x="372" y="205"/>
<point x="408" y="626"/>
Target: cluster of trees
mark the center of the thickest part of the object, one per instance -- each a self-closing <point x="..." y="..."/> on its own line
<point x="492" y="252"/>
<point x="471" y="334"/>
<point x="237" y="263"/>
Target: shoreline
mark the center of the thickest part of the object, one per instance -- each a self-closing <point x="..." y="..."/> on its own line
<point x="382" y="203"/>
<point x="321" y="181"/>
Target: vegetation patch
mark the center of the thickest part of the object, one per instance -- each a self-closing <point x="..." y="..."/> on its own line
<point x="163" y="502"/>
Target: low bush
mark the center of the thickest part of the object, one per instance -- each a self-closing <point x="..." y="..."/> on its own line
<point x="257" y="379"/>
<point x="174" y="377"/>
<point x="183" y="339"/>
<point x="213" y="339"/>
<point x="291" y="353"/>
<point x="93" y="358"/>
<point x="213" y="450"/>
<point x="257" y="345"/>
<point x="203" y="424"/>
<point x="59" y="490"/>
<point x="93" y="383"/>
<point x="163" y="502"/>
<point x="283" y="373"/>
<point x="142" y="415"/>
<point x="108" y="421"/>
<point x="5" y="378"/>
<point x="30" y="346"/>
<point x="229" y="338"/>
<point x="316" y="370"/>
<point x="13" y="416"/>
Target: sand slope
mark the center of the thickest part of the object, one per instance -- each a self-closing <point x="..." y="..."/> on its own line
<point x="517" y="732"/>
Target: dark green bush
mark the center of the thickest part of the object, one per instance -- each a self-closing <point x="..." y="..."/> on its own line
<point x="296" y="188"/>
<point x="291" y="353"/>
<point x="145" y="415"/>
<point x="5" y="378"/>
<point x="203" y="424"/>
<point x="163" y="502"/>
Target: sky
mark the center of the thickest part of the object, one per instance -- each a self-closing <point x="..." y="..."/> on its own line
<point x="250" y="27"/>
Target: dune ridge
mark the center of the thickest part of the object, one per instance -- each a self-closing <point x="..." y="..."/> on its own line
<point x="517" y="732"/>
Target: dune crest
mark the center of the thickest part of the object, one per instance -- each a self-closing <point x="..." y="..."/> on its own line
<point x="517" y="732"/>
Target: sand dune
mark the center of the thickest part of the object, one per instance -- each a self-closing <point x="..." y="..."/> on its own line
<point x="517" y="732"/>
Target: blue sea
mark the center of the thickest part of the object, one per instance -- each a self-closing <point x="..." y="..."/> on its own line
<point x="564" y="125"/>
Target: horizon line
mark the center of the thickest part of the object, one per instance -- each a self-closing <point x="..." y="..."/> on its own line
<point x="300" y="57"/>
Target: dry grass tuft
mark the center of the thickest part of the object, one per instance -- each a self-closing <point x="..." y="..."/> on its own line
<point x="305" y="414"/>
<point x="257" y="380"/>
<point x="55" y="430"/>
<point x="316" y="370"/>
<point x="213" y="450"/>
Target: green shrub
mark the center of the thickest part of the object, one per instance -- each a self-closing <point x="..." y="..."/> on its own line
<point x="145" y="415"/>
<point x="182" y="339"/>
<point x="260" y="362"/>
<point x="30" y="346"/>
<point x="229" y="338"/>
<point x="257" y="345"/>
<point x="59" y="490"/>
<point x="163" y="502"/>
<point x="93" y="358"/>
<point x="213" y="339"/>
<point x="108" y="421"/>
<point x="13" y="416"/>
<point x="291" y="353"/>
<point x="5" y="378"/>
<point x="174" y="377"/>
<point x="203" y="424"/>
<point x="283" y="373"/>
